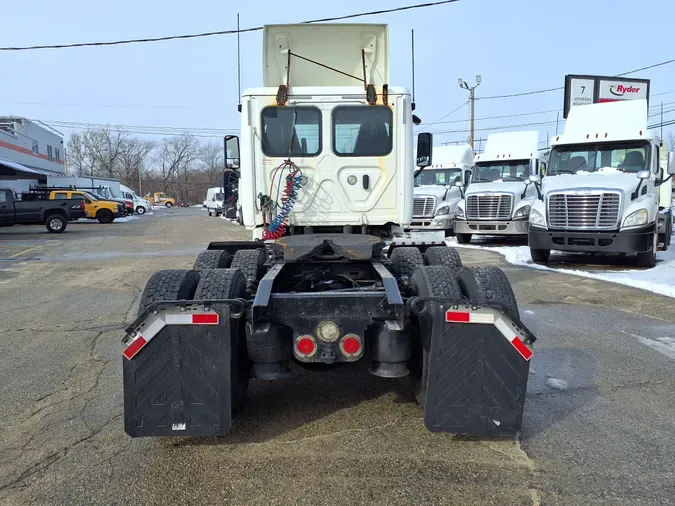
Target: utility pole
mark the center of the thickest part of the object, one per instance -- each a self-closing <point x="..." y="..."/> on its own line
<point x="472" y="99"/>
<point x="661" y="120"/>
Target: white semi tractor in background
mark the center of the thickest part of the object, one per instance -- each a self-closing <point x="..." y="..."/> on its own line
<point x="436" y="194"/>
<point x="500" y="195"/>
<point x="606" y="189"/>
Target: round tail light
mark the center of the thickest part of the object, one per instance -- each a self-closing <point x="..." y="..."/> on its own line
<point x="351" y="345"/>
<point x="305" y="346"/>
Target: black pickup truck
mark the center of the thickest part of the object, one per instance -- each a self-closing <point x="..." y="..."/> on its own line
<point x="53" y="214"/>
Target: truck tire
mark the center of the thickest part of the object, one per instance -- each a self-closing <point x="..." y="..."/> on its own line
<point x="56" y="223"/>
<point x="250" y="262"/>
<point x="140" y="210"/>
<point x="443" y="255"/>
<point x="464" y="238"/>
<point x="105" y="216"/>
<point x="488" y="285"/>
<point x="540" y="256"/>
<point x="427" y="281"/>
<point x="212" y="259"/>
<point x="404" y="261"/>
<point x="648" y="258"/>
<point x="174" y="284"/>
<point x="230" y="284"/>
<point x="168" y="204"/>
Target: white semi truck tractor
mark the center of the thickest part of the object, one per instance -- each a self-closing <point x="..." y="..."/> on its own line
<point x="436" y="194"/>
<point x="327" y="165"/>
<point x="606" y="189"/>
<point x="500" y="195"/>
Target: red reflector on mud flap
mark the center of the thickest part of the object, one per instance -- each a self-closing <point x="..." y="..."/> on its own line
<point x="454" y="316"/>
<point x="135" y="346"/>
<point x="522" y="349"/>
<point x="205" y="319"/>
<point x="490" y="318"/>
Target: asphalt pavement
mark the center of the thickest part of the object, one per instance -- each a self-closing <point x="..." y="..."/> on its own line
<point x="599" y="422"/>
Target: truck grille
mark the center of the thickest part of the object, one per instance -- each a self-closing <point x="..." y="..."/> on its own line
<point x="424" y="207"/>
<point x="595" y="211"/>
<point x="496" y="206"/>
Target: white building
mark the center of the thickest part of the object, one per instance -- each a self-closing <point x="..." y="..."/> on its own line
<point x="29" y="152"/>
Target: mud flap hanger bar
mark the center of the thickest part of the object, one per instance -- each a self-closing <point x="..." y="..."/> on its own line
<point x="474" y="312"/>
<point x="179" y="312"/>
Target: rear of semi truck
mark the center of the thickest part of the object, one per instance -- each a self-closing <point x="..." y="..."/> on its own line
<point x="327" y="179"/>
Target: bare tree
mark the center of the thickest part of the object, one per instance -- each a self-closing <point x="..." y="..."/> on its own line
<point x="132" y="157"/>
<point x="174" y="162"/>
<point x="211" y="158"/>
<point x="670" y="142"/>
<point x="82" y="153"/>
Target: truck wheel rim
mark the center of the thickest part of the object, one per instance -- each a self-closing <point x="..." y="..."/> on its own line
<point x="55" y="224"/>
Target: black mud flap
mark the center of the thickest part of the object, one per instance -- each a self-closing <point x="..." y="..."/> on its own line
<point x="477" y="371"/>
<point x="178" y="384"/>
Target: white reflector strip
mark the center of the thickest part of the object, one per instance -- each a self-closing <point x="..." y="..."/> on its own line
<point x="153" y="329"/>
<point x="508" y="332"/>
<point x="178" y="319"/>
<point x="191" y="319"/>
<point x="468" y="317"/>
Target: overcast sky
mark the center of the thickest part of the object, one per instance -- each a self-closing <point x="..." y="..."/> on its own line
<point x="516" y="45"/>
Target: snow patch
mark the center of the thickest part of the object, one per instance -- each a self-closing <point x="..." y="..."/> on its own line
<point x="557" y="384"/>
<point x="664" y="345"/>
<point x="528" y="311"/>
<point x="659" y="279"/>
<point x="605" y="171"/>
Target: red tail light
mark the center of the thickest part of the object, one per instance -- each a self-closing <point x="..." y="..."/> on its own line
<point x="350" y="345"/>
<point x="305" y="346"/>
<point x="82" y="205"/>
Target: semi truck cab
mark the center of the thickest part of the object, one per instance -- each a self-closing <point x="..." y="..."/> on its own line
<point x="500" y="195"/>
<point x="436" y="193"/>
<point x="606" y="189"/>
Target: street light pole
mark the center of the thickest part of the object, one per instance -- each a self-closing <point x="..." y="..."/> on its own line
<point x="472" y="100"/>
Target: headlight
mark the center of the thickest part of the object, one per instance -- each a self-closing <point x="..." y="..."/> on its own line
<point x="523" y="212"/>
<point x="637" y="218"/>
<point x="459" y="212"/>
<point x="443" y="210"/>
<point x="536" y="218"/>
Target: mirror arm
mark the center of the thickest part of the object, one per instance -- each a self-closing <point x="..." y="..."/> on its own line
<point x="539" y="194"/>
<point x="525" y="190"/>
<point x="418" y="172"/>
<point x="634" y="195"/>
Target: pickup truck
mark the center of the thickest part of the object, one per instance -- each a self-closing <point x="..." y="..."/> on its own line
<point x="105" y="211"/>
<point x="53" y="214"/>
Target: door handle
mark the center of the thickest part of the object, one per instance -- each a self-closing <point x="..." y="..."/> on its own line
<point x="366" y="181"/>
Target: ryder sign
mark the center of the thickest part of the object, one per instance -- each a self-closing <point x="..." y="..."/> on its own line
<point x="585" y="89"/>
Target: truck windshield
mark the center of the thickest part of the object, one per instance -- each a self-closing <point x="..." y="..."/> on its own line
<point x="442" y="177"/>
<point x="220" y="196"/>
<point x="512" y="170"/>
<point x="623" y="156"/>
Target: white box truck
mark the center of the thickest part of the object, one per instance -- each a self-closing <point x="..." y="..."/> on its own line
<point x="436" y="194"/>
<point x="606" y="189"/>
<point x="500" y="195"/>
<point x="214" y="200"/>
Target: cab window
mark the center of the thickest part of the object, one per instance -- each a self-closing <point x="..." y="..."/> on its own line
<point x="60" y="196"/>
<point x="294" y="131"/>
<point x="362" y="131"/>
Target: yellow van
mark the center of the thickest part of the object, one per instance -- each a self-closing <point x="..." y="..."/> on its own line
<point x="105" y="211"/>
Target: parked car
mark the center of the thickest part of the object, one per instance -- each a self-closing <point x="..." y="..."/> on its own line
<point x="182" y="203"/>
<point x="54" y="215"/>
<point x="141" y="205"/>
<point x="105" y="211"/>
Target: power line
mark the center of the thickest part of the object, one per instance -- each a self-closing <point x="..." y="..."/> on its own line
<point x="225" y="32"/>
<point x="451" y="112"/>
<point x="660" y="64"/>
<point x="493" y="117"/>
<point x="503" y="127"/>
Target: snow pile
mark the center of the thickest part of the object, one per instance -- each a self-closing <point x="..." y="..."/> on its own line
<point x="604" y="171"/>
<point x="660" y="279"/>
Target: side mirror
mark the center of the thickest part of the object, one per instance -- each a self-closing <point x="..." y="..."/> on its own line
<point x="424" y="141"/>
<point x="644" y="174"/>
<point x="459" y="184"/>
<point x="232" y="151"/>
<point x="671" y="163"/>
<point x="534" y="167"/>
<point x="534" y="178"/>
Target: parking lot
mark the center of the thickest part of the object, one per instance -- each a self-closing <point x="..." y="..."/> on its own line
<point x="599" y="422"/>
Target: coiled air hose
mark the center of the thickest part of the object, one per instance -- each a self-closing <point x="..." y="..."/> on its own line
<point x="277" y="227"/>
